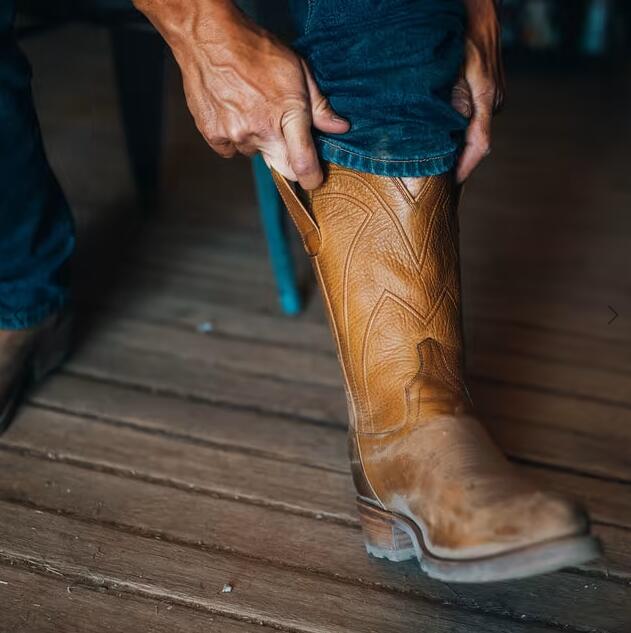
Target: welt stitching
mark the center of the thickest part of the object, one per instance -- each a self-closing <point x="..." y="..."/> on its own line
<point x="458" y="382"/>
<point x="336" y="335"/>
<point x="401" y="187"/>
<point x="385" y="295"/>
<point x="365" y="338"/>
<point x="346" y="274"/>
<point x="413" y="200"/>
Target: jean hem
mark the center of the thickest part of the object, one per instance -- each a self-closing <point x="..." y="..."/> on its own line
<point x="31" y="317"/>
<point x="402" y="168"/>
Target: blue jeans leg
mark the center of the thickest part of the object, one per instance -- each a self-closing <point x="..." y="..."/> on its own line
<point x="389" y="67"/>
<point x="36" y="226"/>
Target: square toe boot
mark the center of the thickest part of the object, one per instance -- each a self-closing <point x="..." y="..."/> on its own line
<point x="431" y="483"/>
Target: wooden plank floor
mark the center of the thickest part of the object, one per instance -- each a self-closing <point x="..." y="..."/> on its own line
<point x="171" y="480"/>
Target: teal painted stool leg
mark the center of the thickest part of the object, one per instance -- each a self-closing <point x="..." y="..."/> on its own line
<point x="273" y="218"/>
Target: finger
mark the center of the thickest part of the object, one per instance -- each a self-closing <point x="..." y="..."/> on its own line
<point x="303" y="158"/>
<point x="247" y="149"/>
<point x="322" y="114"/>
<point x="224" y="148"/>
<point x="477" y="142"/>
<point x="274" y="154"/>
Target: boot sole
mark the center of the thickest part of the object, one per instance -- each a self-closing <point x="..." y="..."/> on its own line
<point x="396" y="538"/>
<point x="48" y="356"/>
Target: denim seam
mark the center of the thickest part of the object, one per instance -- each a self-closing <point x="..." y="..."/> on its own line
<point x="386" y="160"/>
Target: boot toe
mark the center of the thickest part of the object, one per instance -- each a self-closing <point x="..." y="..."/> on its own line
<point x="538" y="518"/>
<point x="556" y="516"/>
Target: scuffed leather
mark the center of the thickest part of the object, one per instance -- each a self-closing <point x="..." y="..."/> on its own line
<point x="15" y="348"/>
<point x="388" y="267"/>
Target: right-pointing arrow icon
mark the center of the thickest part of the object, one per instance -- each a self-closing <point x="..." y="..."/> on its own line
<point x="614" y="317"/>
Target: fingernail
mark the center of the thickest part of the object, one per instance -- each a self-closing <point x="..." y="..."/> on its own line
<point x="339" y="119"/>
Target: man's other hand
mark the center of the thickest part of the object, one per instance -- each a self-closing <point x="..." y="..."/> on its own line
<point x="480" y="91"/>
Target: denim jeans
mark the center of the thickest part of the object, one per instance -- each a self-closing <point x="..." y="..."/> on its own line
<point x="388" y="66"/>
<point x="36" y="228"/>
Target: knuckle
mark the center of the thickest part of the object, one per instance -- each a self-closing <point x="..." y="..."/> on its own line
<point x="295" y="110"/>
<point x="224" y="148"/>
<point x="303" y="165"/>
<point x="218" y="141"/>
<point x="322" y="105"/>
<point x="240" y="138"/>
<point x="263" y="129"/>
<point x="238" y="133"/>
<point x="247" y="150"/>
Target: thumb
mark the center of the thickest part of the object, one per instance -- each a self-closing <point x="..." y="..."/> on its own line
<point x="322" y="114"/>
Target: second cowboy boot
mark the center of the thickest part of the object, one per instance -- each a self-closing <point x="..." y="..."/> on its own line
<point x="27" y="356"/>
<point x="431" y="483"/>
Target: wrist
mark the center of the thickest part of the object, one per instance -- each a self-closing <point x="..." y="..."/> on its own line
<point x="182" y="21"/>
<point x="482" y="16"/>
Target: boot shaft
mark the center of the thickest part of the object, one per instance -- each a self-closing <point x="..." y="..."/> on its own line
<point x="387" y="265"/>
<point x="431" y="483"/>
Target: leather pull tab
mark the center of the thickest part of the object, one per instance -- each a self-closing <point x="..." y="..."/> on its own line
<point x="306" y="225"/>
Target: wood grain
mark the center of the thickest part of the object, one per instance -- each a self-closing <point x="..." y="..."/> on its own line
<point x="309" y="543"/>
<point x="261" y="592"/>
<point x="51" y="601"/>
<point x="164" y="463"/>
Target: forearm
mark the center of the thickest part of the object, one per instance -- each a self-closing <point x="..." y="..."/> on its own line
<point x="483" y="17"/>
<point x="483" y="28"/>
<point x="186" y="21"/>
<point x="483" y="8"/>
<point x="480" y="91"/>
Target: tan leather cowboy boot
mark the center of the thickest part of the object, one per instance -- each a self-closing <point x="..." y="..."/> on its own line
<point x="27" y="356"/>
<point x="431" y="483"/>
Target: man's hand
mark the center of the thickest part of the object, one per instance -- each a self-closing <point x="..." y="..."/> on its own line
<point x="246" y="91"/>
<point x="480" y="91"/>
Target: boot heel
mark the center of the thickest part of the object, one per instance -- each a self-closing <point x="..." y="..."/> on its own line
<point x="382" y="537"/>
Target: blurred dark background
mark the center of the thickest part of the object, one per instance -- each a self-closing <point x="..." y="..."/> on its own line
<point x="124" y="146"/>
<point x="566" y="32"/>
<point x="194" y="406"/>
<point x="562" y="29"/>
<point x="540" y="37"/>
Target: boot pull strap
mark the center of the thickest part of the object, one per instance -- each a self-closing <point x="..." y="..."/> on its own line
<point x="306" y="225"/>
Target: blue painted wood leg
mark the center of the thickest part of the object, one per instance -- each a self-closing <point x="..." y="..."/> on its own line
<point x="273" y="218"/>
